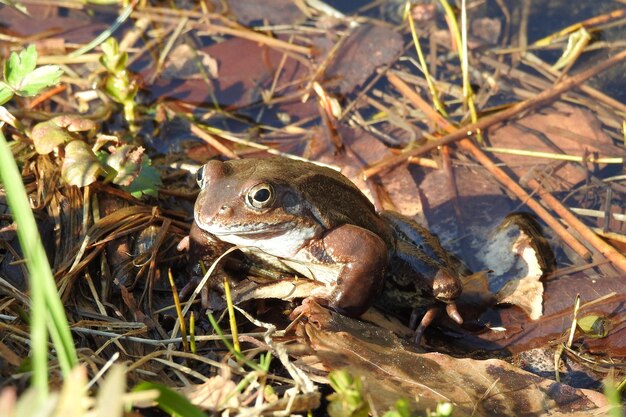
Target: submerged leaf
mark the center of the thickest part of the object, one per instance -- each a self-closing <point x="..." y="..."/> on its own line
<point x="81" y="166"/>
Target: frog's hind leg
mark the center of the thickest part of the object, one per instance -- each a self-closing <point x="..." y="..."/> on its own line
<point x="428" y="318"/>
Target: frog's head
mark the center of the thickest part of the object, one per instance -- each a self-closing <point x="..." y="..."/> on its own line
<point x="251" y="201"/>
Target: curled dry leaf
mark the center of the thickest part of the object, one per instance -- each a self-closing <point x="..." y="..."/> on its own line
<point x="525" y="292"/>
<point x="80" y="166"/>
<point x="126" y="160"/>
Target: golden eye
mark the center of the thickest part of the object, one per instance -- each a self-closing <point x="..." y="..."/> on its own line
<point x="260" y="196"/>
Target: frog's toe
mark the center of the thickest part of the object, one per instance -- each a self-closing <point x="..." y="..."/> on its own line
<point x="453" y="313"/>
<point x="426" y="321"/>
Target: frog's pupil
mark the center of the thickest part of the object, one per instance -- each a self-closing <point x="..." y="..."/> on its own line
<point x="262" y="195"/>
<point x="199" y="176"/>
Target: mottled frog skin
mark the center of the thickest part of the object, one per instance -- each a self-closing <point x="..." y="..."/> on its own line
<point x="314" y="221"/>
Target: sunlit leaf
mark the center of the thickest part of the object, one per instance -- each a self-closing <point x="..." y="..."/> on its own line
<point x="5" y="93"/>
<point x="48" y="135"/>
<point x="19" y="65"/>
<point x="400" y="409"/>
<point x="17" y="5"/>
<point x="347" y="400"/>
<point x="81" y="166"/>
<point x="40" y="78"/>
<point x="74" y="123"/>
<point x="594" y="326"/>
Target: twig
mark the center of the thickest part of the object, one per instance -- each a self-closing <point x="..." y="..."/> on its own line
<point x="544" y="97"/>
<point x="604" y="248"/>
<point x="513" y="186"/>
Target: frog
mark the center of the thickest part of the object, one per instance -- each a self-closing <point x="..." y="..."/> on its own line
<point x="313" y="221"/>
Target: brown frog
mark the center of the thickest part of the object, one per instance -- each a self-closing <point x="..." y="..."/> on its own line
<point x="316" y="222"/>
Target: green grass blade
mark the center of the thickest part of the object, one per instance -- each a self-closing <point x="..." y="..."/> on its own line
<point x="170" y="401"/>
<point x="46" y="307"/>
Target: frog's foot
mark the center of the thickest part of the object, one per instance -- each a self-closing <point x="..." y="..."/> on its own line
<point x="191" y="287"/>
<point x="313" y="308"/>
<point x="428" y="318"/>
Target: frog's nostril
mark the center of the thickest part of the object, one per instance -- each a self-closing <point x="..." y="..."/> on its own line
<point x="225" y="210"/>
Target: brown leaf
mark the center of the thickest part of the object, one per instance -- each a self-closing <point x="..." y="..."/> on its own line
<point x="367" y="48"/>
<point x="573" y="130"/>
<point x="475" y="387"/>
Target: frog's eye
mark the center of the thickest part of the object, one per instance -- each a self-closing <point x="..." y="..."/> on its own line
<point x="260" y="196"/>
<point x="200" y="176"/>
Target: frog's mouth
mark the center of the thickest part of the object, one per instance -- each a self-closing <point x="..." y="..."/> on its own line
<point x="250" y="231"/>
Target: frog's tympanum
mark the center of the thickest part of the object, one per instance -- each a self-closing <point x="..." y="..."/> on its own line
<point x="316" y="222"/>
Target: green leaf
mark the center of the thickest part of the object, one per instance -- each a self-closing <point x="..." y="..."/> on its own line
<point x="47" y="135"/>
<point x="46" y="309"/>
<point x="347" y="400"/>
<point x="401" y="408"/>
<point x="19" y="65"/>
<point x="5" y="93"/>
<point x="594" y="326"/>
<point x="37" y="80"/>
<point x="147" y="183"/>
<point x="80" y="166"/>
<point x="170" y="401"/>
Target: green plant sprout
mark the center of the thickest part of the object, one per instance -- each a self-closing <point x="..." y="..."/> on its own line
<point x="118" y="84"/>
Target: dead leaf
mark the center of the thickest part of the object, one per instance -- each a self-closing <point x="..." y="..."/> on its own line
<point x="276" y="12"/>
<point x="215" y="394"/>
<point x="367" y="48"/>
<point x="573" y="130"/>
<point x="392" y="371"/>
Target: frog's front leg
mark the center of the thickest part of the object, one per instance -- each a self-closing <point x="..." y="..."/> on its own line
<point x="204" y="249"/>
<point x="361" y="258"/>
